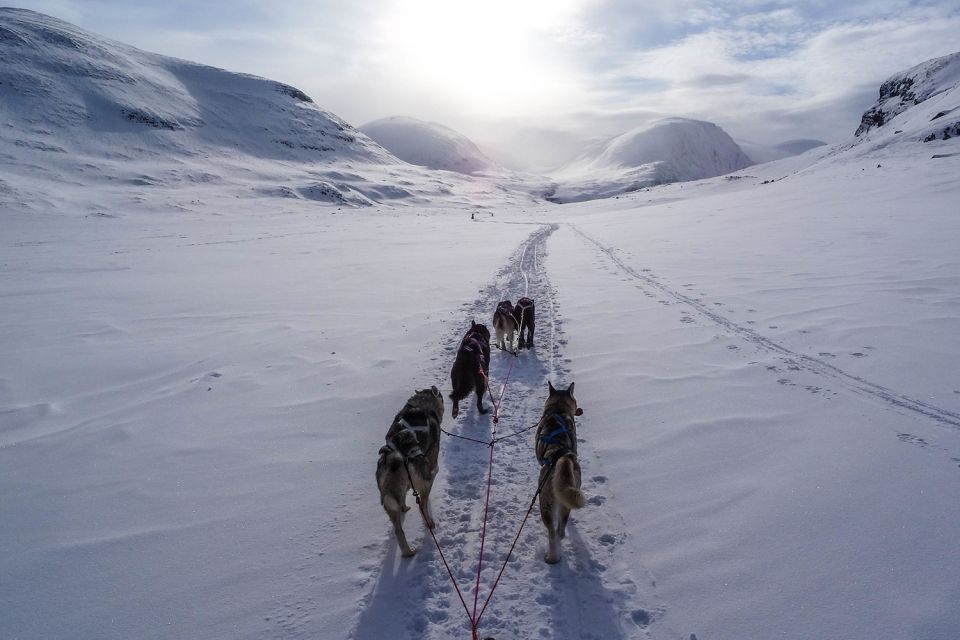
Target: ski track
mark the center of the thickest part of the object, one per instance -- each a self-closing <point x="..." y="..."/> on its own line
<point x="793" y="360"/>
<point x="590" y="594"/>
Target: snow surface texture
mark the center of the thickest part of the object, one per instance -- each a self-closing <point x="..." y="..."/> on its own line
<point x="668" y="150"/>
<point x="428" y="144"/>
<point x="195" y="379"/>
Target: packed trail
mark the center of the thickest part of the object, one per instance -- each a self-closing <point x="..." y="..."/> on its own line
<point x="593" y="592"/>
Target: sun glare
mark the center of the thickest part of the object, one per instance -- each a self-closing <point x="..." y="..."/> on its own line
<point x="491" y="56"/>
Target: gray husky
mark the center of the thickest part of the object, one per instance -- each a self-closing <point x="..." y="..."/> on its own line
<point x="412" y="452"/>
<point x="505" y="324"/>
<point x="557" y="453"/>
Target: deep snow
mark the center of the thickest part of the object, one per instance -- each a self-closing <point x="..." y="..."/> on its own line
<point x="198" y="363"/>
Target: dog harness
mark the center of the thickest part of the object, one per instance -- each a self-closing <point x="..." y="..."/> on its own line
<point x="551" y="439"/>
<point x="473" y="343"/>
<point x="416" y="430"/>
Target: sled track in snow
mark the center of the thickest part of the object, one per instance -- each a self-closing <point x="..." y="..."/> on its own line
<point x="590" y="594"/>
<point x="857" y="384"/>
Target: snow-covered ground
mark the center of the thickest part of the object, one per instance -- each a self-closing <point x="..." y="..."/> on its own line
<point x="199" y="360"/>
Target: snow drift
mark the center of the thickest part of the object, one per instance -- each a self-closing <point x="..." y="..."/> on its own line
<point x="427" y="144"/>
<point x="668" y="150"/>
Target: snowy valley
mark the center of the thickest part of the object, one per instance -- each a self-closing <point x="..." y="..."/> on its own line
<point x="216" y="294"/>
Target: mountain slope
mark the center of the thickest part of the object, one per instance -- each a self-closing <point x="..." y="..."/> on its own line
<point x="91" y="94"/>
<point x="668" y="150"/>
<point x="427" y="144"/>
<point x="78" y="109"/>
<point x="935" y="80"/>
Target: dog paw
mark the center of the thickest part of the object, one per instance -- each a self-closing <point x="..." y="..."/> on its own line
<point x="431" y="524"/>
<point x="409" y="552"/>
<point x="482" y="411"/>
<point x="551" y="559"/>
<point x="455" y="412"/>
<point x="405" y="508"/>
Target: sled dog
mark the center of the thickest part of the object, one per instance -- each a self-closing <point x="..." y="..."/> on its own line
<point x="471" y="367"/>
<point x="505" y="325"/>
<point x="525" y="314"/>
<point x="556" y="448"/>
<point x="411" y="452"/>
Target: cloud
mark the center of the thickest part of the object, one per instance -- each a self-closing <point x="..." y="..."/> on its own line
<point x="760" y="73"/>
<point x="763" y="69"/>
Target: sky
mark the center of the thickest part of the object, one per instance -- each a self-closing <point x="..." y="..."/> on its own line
<point x="535" y="77"/>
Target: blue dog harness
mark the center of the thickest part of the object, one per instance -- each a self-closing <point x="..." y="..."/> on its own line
<point x="551" y="439"/>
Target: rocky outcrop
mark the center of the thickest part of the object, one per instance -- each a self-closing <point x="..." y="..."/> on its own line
<point x="910" y="88"/>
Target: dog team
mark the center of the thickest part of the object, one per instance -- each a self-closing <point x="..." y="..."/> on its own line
<point x="410" y="457"/>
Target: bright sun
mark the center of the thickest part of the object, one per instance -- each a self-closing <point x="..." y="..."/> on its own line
<point x="492" y="56"/>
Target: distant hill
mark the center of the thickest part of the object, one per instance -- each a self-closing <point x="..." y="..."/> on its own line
<point x="668" y="150"/>
<point x="428" y="144"/>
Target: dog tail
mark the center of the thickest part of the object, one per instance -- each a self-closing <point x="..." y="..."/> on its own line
<point x="390" y="460"/>
<point x="566" y="485"/>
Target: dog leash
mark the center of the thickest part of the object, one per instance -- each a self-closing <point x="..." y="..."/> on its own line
<point x="523" y="523"/>
<point x="483" y="533"/>
<point x="416" y="495"/>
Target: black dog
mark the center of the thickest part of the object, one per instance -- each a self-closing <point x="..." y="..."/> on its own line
<point x="471" y="367"/>
<point x="525" y="313"/>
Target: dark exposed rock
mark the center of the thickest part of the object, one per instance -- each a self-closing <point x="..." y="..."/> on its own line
<point x="946" y="133"/>
<point x="151" y="120"/>
<point x="293" y="92"/>
<point x="907" y="89"/>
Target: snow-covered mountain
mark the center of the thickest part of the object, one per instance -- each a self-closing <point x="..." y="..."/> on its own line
<point x="934" y="84"/>
<point x="668" y="150"/>
<point x="74" y="105"/>
<point x="428" y="144"/>
<point x="68" y="89"/>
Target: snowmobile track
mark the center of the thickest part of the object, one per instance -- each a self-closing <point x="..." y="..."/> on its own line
<point x="859" y="385"/>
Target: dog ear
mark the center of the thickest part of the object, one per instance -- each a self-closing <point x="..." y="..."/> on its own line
<point x="550" y="386"/>
<point x="570" y="389"/>
<point x="473" y="324"/>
